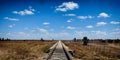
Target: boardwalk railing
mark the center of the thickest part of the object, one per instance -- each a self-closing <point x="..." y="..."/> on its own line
<point x="52" y="49"/>
<point x="65" y="48"/>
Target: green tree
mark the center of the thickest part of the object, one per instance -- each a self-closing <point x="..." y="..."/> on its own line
<point x="85" y="40"/>
<point x="74" y="39"/>
<point x="42" y="39"/>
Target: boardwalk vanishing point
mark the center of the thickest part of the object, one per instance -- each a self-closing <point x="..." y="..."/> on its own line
<point x="59" y="52"/>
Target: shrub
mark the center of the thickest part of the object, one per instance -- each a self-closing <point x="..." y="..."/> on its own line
<point x="42" y="39"/>
<point x="46" y="49"/>
<point x="85" y="40"/>
<point x="74" y="39"/>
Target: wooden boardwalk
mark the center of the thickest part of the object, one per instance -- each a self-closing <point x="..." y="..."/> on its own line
<point x="59" y="53"/>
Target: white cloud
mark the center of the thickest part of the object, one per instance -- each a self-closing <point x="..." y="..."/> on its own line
<point x="114" y="22"/>
<point x="51" y="29"/>
<point x="90" y="16"/>
<point x="79" y="33"/>
<point x="70" y="20"/>
<point x="99" y="32"/>
<point x="59" y="35"/>
<point x="82" y="17"/>
<point x="101" y="23"/>
<point x="89" y="26"/>
<point x="116" y="33"/>
<point x="85" y="17"/>
<point x="69" y="15"/>
<point x="42" y="30"/>
<point x="70" y="27"/>
<point x="29" y="11"/>
<point x="22" y="33"/>
<point x="30" y="7"/>
<point x="12" y="25"/>
<point x="11" y="19"/>
<point x="117" y="29"/>
<point x="67" y="6"/>
<point x="104" y="15"/>
<point x="46" y="23"/>
<point x="18" y="35"/>
<point x="63" y="33"/>
<point x="26" y="28"/>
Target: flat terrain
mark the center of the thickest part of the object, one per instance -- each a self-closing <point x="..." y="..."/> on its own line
<point x="95" y="50"/>
<point x="24" y="50"/>
<point x="37" y="50"/>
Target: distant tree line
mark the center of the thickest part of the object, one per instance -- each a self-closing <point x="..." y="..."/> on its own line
<point x="76" y="40"/>
<point x="85" y="40"/>
<point x="110" y="40"/>
<point x="3" y="39"/>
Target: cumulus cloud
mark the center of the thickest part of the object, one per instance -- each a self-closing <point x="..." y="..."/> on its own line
<point x="29" y="11"/>
<point x="69" y="15"/>
<point x="85" y="17"/>
<point x="70" y="20"/>
<point x="114" y="22"/>
<point x="103" y="14"/>
<point x="11" y="19"/>
<point x="46" y="23"/>
<point x="70" y="27"/>
<point x="89" y="26"/>
<point x="82" y="17"/>
<point x="101" y="23"/>
<point x="67" y="6"/>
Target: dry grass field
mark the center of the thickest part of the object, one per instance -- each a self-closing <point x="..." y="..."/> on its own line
<point x="24" y="50"/>
<point x="95" y="51"/>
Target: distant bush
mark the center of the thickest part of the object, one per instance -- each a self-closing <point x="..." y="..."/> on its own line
<point x="103" y="41"/>
<point x="110" y="41"/>
<point x="117" y="41"/>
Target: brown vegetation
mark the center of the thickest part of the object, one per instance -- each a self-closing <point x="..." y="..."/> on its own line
<point x="24" y="50"/>
<point x="95" y="51"/>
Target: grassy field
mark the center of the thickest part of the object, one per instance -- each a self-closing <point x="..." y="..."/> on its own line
<point x="36" y="50"/>
<point x="95" y="51"/>
<point x="24" y="50"/>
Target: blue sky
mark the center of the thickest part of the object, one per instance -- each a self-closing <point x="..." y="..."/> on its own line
<point x="64" y="19"/>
